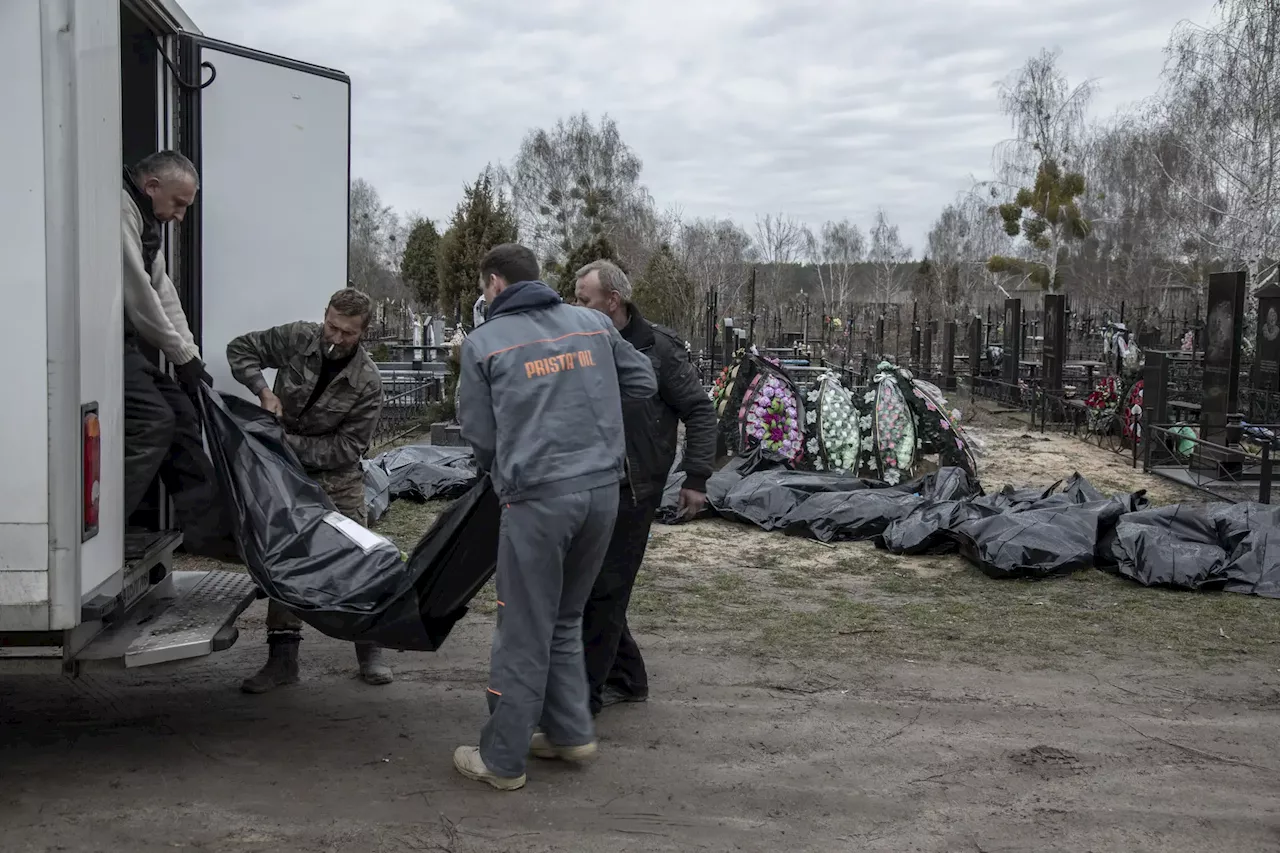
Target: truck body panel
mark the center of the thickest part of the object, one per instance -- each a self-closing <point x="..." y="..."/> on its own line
<point x="97" y="83"/>
<point x="24" y="439"/>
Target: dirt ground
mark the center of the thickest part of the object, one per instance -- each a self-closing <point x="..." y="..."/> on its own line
<point x="805" y="697"/>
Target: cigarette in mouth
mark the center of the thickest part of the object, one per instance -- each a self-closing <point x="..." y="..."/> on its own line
<point x="329" y="351"/>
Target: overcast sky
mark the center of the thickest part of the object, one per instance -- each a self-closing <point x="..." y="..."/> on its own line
<point x="819" y="110"/>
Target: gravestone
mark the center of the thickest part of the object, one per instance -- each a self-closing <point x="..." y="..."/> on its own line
<point x="1223" y="334"/>
<point x="1155" y="389"/>
<point x="1053" y="355"/>
<point x="975" y="346"/>
<point x="1266" y="361"/>
<point x="1012" y="340"/>
<point x="915" y="348"/>
<point x="880" y="336"/>
<point x="926" y="350"/>
<point x="949" y="356"/>
<point x="446" y="434"/>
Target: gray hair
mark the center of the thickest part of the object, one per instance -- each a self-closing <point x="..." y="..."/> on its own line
<point x="612" y="279"/>
<point x="167" y="165"/>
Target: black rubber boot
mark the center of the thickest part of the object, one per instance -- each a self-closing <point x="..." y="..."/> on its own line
<point x="281" y="667"/>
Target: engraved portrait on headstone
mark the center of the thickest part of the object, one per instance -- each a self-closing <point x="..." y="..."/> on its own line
<point x="1219" y="331"/>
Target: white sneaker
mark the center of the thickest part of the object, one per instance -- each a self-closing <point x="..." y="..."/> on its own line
<point x="467" y="761"/>
<point x="541" y="747"/>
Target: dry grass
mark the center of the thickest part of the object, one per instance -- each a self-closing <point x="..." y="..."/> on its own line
<point x="768" y="593"/>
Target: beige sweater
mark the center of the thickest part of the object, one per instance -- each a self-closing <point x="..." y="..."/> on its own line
<point x="151" y="304"/>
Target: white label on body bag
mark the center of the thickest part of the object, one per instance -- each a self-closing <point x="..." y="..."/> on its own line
<point x="363" y="537"/>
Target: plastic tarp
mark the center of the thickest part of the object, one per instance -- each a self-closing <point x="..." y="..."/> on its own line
<point x="767" y="498"/>
<point x="870" y="507"/>
<point x="1041" y="542"/>
<point x="1235" y="547"/>
<point x="338" y="576"/>
<point x="377" y="490"/>
<point x="426" y="472"/>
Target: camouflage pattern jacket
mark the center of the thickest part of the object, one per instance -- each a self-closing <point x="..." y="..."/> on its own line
<point x="332" y="436"/>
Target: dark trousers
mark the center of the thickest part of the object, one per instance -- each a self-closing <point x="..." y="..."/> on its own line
<point x="612" y="656"/>
<point x="162" y="437"/>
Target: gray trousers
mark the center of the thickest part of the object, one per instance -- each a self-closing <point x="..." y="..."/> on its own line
<point x="549" y="553"/>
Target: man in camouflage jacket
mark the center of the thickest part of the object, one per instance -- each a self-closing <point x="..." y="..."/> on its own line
<point x="328" y="394"/>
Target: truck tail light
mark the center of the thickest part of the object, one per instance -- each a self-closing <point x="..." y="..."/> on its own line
<point x="91" y="444"/>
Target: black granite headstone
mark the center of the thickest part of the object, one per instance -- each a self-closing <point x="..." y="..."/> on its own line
<point x="1055" y="340"/>
<point x="926" y="350"/>
<point x="1223" y="331"/>
<point x="1266" y="358"/>
<point x="1012" y="340"/>
<point x="1155" y="388"/>
<point x="975" y="346"/>
<point x="949" y="356"/>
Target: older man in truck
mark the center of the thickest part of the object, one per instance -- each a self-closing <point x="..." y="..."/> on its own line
<point x="162" y="432"/>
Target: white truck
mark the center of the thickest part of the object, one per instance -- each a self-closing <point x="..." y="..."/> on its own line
<point x="86" y="87"/>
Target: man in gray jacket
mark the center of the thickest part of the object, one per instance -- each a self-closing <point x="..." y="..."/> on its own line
<point x="162" y="432"/>
<point x="540" y="402"/>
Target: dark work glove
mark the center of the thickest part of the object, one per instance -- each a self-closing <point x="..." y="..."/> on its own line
<point x="191" y="374"/>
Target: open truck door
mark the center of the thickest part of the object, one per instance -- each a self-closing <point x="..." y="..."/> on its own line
<point x="271" y="139"/>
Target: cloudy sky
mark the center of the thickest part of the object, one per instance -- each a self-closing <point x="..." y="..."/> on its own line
<point x="819" y="110"/>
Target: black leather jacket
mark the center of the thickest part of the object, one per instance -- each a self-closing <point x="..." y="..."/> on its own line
<point x="651" y="426"/>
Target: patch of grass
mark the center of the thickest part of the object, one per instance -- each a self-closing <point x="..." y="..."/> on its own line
<point x="728" y="582"/>
<point x="406" y="520"/>
<point x="820" y="631"/>
<point x="793" y="580"/>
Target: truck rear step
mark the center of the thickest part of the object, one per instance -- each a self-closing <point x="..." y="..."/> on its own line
<point x="187" y="615"/>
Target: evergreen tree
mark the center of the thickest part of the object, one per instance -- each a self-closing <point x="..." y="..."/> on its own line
<point x="419" y="266"/>
<point x="665" y="293"/>
<point x="1049" y="216"/>
<point x="561" y="275"/>
<point x="481" y="221"/>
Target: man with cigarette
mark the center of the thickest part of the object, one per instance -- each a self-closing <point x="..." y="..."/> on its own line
<point x="328" y="394"/>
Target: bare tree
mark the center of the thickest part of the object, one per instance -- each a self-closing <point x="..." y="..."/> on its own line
<point x="641" y="231"/>
<point x="835" y="256"/>
<point x="1048" y="117"/>
<point x="779" y="240"/>
<point x="887" y="254"/>
<point x="1222" y="101"/>
<point x="1036" y="172"/>
<point x="714" y="252"/>
<point x="375" y="244"/>
<point x="946" y="245"/>
<point x="1133" y="245"/>
<point x="573" y="183"/>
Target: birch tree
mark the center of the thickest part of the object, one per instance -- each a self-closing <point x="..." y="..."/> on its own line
<point x="1036" y="169"/>
<point x="1221" y="101"/>
<point x="779" y="241"/>
<point x="714" y="253"/>
<point x="835" y="254"/>
<point x="571" y="185"/>
<point x="887" y="254"/>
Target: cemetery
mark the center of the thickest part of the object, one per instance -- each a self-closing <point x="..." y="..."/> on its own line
<point x="985" y="561"/>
